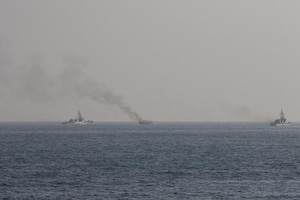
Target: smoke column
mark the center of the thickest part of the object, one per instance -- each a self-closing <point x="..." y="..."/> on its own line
<point x="102" y="95"/>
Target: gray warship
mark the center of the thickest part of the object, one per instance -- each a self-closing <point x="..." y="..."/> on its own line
<point x="78" y="120"/>
<point x="282" y="121"/>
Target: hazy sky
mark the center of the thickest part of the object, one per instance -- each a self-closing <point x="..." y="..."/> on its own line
<point x="166" y="60"/>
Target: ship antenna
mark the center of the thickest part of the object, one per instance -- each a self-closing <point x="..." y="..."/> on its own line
<point x="80" y="118"/>
<point x="281" y="114"/>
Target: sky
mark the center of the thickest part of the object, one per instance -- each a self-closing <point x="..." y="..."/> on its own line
<point x="168" y="60"/>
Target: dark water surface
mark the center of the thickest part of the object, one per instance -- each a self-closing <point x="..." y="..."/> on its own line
<point x="157" y="161"/>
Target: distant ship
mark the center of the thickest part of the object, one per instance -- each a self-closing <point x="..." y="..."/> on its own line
<point x="78" y="120"/>
<point x="282" y="121"/>
<point x="142" y="121"/>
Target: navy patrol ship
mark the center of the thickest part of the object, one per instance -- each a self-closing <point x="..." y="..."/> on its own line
<point x="282" y="121"/>
<point x="78" y="120"/>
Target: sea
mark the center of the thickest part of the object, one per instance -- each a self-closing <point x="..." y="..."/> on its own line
<point x="163" y="160"/>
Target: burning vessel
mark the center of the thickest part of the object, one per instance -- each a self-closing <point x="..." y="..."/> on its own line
<point x="142" y="121"/>
<point x="78" y="120"/>
<point x="282" y="121"/>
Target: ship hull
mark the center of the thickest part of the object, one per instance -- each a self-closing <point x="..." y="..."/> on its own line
<point x="279" y="124"/>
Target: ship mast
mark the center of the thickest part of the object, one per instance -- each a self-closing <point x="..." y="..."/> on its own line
<point x="281" y="115"/>
<point x="79" y="116"/>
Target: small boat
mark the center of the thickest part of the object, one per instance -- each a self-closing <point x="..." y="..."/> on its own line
<point x="282" y="121"/>
<point x="78" y="120"/>
<point x="142" y="121"/>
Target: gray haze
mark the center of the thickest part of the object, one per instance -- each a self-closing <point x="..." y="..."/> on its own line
<point x="168" y="60"/>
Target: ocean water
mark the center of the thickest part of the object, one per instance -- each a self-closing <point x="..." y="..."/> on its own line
<point x="157" y="161"/>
